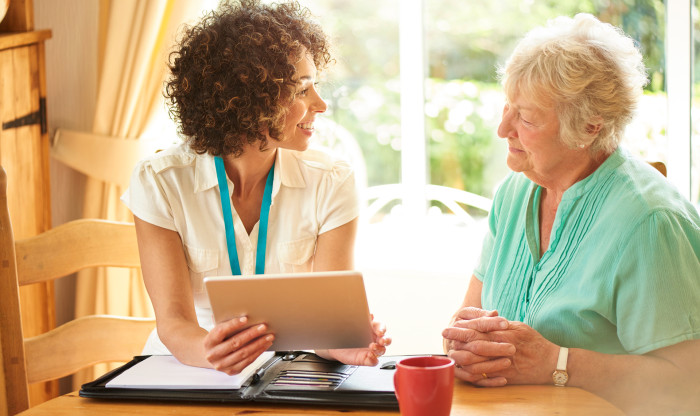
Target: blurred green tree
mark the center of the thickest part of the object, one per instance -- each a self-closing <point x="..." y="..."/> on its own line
<point x="465" y="41"/>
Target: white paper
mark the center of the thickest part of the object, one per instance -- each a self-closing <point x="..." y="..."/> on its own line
<point x="166" y="372"/>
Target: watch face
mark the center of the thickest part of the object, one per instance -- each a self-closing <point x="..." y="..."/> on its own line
<point x="560" y="377"/>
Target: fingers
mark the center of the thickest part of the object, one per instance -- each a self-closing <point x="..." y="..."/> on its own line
<point x="377" y="349"/>
<point x="381" y="340"/>
<point x="488" y="348"/>
<point x="357" y="356"/>
<point x="471" y="312"/>
<point x="485" y="328"/>
<point x="487" y="367"/>
<point x="485" y="373"/>
<point x="370" y="358"/>
<point x="235" y="363"/>
<point x="464" y="358"/>
<point x="362" y="356"/>
<point x="472" y="323"/>
<point x="463" y="335"/>
<point x="492" y="382"/>
<point x="479" y="380"/>
<point x="475" y="355"/>
<point x="351" y="356"/>
<point x="379" y="330"/>
<point x="483" y="324"/>
<point x="232" y="353"/>
<point x="244" y="337"/>
<point x="384" y="341"/>
<point x="224" y="330"/>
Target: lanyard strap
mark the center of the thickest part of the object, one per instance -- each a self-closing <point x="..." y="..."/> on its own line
<point x="228" y="219"/>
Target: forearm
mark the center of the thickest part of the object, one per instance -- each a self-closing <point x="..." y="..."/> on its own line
<point x="185" y="340"/>
<point x="638" y="384"/>
<point x="166" y="276"/>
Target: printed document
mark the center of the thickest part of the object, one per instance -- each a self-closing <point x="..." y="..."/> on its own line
<point x="166" y="372"/>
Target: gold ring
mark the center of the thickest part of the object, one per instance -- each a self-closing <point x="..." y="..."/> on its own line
<point x="484" y="375"/>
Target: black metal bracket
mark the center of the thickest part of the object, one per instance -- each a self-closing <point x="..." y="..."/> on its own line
<point x="37" y="117"/>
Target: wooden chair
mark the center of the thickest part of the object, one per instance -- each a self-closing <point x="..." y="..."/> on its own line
<point x="660" y="166"/>
<point x="79" y="343"/>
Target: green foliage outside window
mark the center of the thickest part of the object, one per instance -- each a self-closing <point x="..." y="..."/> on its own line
<point x="465" y="41"/>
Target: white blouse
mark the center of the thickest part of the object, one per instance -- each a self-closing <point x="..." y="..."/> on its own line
<point x="177" y="189"/>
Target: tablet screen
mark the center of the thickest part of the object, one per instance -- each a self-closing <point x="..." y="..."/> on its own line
<point x="315" y="310"/>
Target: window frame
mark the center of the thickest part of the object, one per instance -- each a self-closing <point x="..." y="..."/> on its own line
<point x="679" y="89"/>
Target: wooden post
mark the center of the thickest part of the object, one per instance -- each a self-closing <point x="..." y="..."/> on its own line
<point x="24" y="154"/>
<point x="14" y="388"/>
<point x="19" y="17"/>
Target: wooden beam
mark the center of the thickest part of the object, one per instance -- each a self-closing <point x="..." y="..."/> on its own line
<point x="19" y="17"/>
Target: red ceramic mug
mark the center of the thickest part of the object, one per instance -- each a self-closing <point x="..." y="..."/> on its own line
<point x="423" y="385"/>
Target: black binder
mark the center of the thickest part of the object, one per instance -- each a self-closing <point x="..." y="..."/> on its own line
<point x="344" y="385"/>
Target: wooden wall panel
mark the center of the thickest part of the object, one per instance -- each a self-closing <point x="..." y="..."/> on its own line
<point x="3" y="391"/>
<point x="24" y="155"/>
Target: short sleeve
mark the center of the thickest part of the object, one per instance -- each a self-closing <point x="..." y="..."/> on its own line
<point x="337" y="198"/>
<point x="146" y="198"/>
<point x="657" y="284"/>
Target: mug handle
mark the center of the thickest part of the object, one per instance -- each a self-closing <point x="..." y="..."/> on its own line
<point x="396" y="385"/>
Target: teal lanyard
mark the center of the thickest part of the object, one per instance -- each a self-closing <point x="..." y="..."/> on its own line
<point x="228" y="219"/>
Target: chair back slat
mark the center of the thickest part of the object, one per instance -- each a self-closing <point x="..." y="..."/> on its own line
<point x="660" y="166"/>
<point x="74" y="246"/>
<point x="111" y="338"/>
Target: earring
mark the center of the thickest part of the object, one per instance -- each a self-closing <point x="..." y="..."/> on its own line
<point x="581" y="145"/>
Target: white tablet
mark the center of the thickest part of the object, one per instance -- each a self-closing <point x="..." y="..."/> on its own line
<point x="316" y="310"/>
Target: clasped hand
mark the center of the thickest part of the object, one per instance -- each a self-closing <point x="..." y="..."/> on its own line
<point x="491" y="351"/>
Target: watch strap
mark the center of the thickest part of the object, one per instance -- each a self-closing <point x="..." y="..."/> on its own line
<point x="560" y="376"/>
<point x="563" y="358"/>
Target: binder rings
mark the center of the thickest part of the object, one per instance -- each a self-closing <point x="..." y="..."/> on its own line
<point x="288" y="377"/>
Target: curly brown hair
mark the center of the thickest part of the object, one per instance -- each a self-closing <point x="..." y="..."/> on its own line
<point x="232" y="73"/>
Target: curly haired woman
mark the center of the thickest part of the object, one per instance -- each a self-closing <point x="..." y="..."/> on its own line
<point x="243" y="92"/>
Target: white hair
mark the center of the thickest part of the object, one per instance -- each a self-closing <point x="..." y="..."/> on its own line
<point x="588" y="71"/>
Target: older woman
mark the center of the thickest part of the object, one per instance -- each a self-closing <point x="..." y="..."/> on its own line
<point x="590" y="274"/>
<point x="243" y="91"/>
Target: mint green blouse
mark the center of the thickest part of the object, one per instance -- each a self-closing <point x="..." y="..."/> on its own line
<point x="622" y="271"/>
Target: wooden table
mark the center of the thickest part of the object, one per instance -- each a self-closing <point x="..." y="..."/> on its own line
<point x="468" y="400"/>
